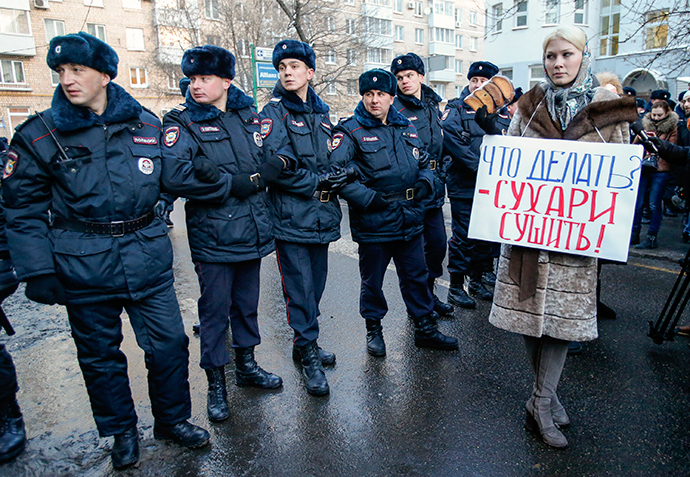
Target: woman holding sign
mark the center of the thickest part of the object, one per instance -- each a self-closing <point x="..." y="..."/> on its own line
<point x="550" y="297"/>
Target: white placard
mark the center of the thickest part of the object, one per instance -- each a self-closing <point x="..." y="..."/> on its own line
<point x="566" y="196"/>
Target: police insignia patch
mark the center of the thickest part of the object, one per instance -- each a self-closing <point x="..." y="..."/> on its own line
<point x="445" y="114"/>
<point x="415" y="153"/>
<point x="12" y="158"/>
<point x="257" y="139"/>
<point x="266" y="127"/>
<point x="336" y="141"/>
<point x="171" y="134"/>
<point x="146" y="165"/>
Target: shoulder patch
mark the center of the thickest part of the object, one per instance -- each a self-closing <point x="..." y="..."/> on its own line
<point x="445" y="114"/>
<point x="11" y="165"/>
<point x="266" y="127"/>
<point x="336" y="141"/>
<point x="171" y="135"/>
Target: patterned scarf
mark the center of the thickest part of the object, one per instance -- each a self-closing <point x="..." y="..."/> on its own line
<point x="564" y="103"/>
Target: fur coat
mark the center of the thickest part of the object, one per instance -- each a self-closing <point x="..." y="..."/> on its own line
<point x="565" y="303"/>
<point x="666" y="129"/>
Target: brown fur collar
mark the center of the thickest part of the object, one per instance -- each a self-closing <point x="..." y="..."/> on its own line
<point x="665" y="126"/>
<point x="601" y="112"/>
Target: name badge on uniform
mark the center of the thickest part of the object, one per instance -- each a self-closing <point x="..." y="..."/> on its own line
<point x="151" y="141"/>
<point x="257" y="139"/>
<point x="171" y="134"/>
<point x="12" y="158"/>
<point x="370" y="138"/>
<point x="299" y="124"/>
<point x="413" y="118"/>
<point x="146" y="165"/>
<point x="207" y="129"/>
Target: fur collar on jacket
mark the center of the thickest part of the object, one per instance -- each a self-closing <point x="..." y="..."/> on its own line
<point x="203" y="112"/>
<point x="663" y="127"/>
<point x="428" y="96"/>
<point x="120" y="108"/>
<point x="295" y="104"/>
<point x="605" y="109"/>
<point x="368" y="121"/>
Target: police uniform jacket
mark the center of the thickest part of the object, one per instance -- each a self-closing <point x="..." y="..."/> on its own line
<point x="300" y="131"/>
<point x="387" y="160"/>
<point x="425" y="116"/>
<point x="111" y="173"/>
<point x="462" y="138"/>
<point x="221" y="227"/>
<point x="7" y="276"/>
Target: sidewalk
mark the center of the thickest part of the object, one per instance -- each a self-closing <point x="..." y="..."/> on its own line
<point x="671" y="246"/>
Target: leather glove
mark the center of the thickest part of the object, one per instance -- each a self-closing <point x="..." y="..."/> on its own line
<point x="334" y="180"/>
<point x="271" y="169"/>
<point x="45" y="289"/>
<point x="242" y="186"/>
<point x="421" y="190"/>
<point x="7" y="291"/>
<point x="487" y="121"/>
<point x="160" y="208"/>
<point x="379" y="203"/>
<point x="465" y="138"/>
<point x="424" y="159"/>
<point x="352" y="174"/>
<point x="667" y="150"/>
<point x="206" y="170"/>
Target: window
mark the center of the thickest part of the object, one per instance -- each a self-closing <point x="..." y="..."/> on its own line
<point x="351" y="26"/>
<point x="54" y="78"/>
<point x="473" y="43"/>
<point x="212" y="9"/>
<point x="551" y="11"/>
<point x="458" y="17"/>
<point x="458" y="91"/>
<point x="378" y="55"/>
<point x="96" y="30"/>
<point x="351" y="56"/>
<point x="398" y="6"/>
<point x="330" y="23"/>
<point x="213" y="40"/>
<point x="418" y="9"/>
<point x="497" y="18"/>
<point x="507" y="72"/>
<point x="137" y="78"/>
<point x="17" y="116"/>
<point x="440" y="89"/>
<point x="14" y="21"/>
<point x="458" y="41"/>
<point x="458" y="67"/>
<point x="610" y="27"/>
<point x="174" y="80"/>
<point x="419" y="36"/>
<point x="330" y="57"/>
<point x="349" y="2"/>
<point x="443" y="35"/>
<point x="399" y="33"/>
<point x="520" y="13"/>
<point x="333" y="117"/>
<point x="580" y="14"/>
<point x="54" y="28"/>
<point x="136" y="4"/>
<point x="473" y="18"/>
<point x="135" y="39"/>
<point x="657" y="29"/>
<point x="443" y="8"/>
<point x="331" y="89"/>
<point x="173" y="4"/>
<point x="12" y="72"/>
<point x="93" y="3"/>
<point x="174" y="37"/>
<point x="536" y="75"/>
<point x="352" y="87"/>
<point x="378" y="26"/>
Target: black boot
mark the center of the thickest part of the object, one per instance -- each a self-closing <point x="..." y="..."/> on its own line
<point x="183" y="433"/>
<point x="457" y="295"/>
<point x="12" y="433"/>
<point x="327" y="358"/>
<point x="196" y="328"/>
<point x="125" y="449"/>
<point x="217" y="398"/>
<point x="249" y="373"/>
<point x="648" y="244"/>
<point x="312" y="370"/>
<point x="443" y="309"/>
<point x="375" y="344"/>
<point x="477" y="288"/>
<point x="426" y="335"/>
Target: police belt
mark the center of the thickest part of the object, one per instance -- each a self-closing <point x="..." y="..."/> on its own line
<point x="407" y="194"/>
<point x="116" y="229"/>
<point x="323" y="195"/>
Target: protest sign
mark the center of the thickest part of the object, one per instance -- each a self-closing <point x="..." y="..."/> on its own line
<point x="565" y="196"/>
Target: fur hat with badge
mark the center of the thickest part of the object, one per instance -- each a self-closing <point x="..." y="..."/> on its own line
<point x="208" y="60"/>
<point x="82" y="49"/>
<point x="406" y="62"/>
<point x="379" y="79"/>
<point x="294" y="49"/>
<point x="484" y="69"/>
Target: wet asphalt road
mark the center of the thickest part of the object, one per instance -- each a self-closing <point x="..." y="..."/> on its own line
<point x="414" y="412"/>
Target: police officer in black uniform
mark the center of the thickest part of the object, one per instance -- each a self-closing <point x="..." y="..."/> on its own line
<point x="304" y="208"/>
<point x="419" y="103"/>
<point x="79" y="189"/>
<point x="212" y="155"/>
<point x="386" y="215"/>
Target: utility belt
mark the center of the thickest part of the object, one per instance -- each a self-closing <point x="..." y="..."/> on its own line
<point x="323" y="195"/>
<point x="407" y="194"/>
<point x="116" y="229"/>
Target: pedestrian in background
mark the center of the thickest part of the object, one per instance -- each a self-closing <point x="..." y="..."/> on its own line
<point x="550" y="297"/>
<point x="80" y="185"/>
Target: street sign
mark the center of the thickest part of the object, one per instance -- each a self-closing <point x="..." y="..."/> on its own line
<point x="264" y="54"/>
<point x="266" y="75"/>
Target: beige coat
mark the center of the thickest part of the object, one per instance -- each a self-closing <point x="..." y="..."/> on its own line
<point x="565" y="304"/>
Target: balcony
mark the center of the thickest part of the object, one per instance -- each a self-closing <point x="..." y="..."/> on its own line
<point x="441" y="76"/>
<point x="444" y="49"/>
<point x="17" y="45"/>
<point x="441" y="21"/>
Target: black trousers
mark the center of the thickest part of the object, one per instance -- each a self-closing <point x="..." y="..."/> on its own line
<point x="229" y="295"/>
<point x="466" y="256"/>
<point x="434" y="241"/>
<point x="157" y="324"/>
<point x="412" y="276"/>
<point x="303" y="269"/>
<point x="8" y="375"/>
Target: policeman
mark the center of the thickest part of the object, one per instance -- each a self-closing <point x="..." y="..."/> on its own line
<point x="212" y="156"/>
<point x="461" y="140"/>
<point x="386" y="215"/>
<point x="419" y="103"/>
<point x="80" y="185"/>
<point x="304" y="208"/>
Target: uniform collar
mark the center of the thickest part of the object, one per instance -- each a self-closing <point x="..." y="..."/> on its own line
<point x="294" y="103"/>
<point x="369" y="121"/>
<point x="428" y="96"/>
<point x="204" y="112"/>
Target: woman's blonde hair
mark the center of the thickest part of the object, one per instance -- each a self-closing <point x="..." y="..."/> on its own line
<point x="571" y="34"/>
<point x="606" y="77"/>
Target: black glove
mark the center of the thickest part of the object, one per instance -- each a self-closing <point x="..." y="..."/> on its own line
<point x="160" y="208"/>
<point x="206" y="170"/>
<point x="7" y="291"/>
<point x="421" y="190"/>
<point x="352" y="174"/>
<point x="379" y="203"/>
<point x="271" y="169"/>
<point x="332" y="180"/>
<point x="667" y="150"/>
<point x="487" y="121"/>
<point x="242" y="186"/>
<point x="465" y="138"/>
<point x="45" y="289"/>
<point x="424" y="158"/>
